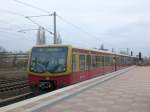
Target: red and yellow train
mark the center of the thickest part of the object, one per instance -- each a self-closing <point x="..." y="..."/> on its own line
<point x="56" y="66"/>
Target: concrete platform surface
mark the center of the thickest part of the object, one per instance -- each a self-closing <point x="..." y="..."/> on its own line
<point x="126" y="93"/>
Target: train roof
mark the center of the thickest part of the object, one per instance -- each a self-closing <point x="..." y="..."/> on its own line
<point x="96" y="50"/>
<point x="102" y="51"/>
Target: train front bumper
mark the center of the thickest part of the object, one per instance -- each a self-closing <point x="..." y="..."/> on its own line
<point x="47" y="85"/>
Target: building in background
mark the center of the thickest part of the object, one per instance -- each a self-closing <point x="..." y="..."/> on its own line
<point x="58" y="39"/>
<point x="41" y="40"/>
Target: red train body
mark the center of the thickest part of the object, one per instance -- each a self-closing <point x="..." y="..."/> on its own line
<point x="72" y="65"/>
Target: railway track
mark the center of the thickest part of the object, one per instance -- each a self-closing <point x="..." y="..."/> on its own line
<point x="13" y="86"/>
<point x="12" y="89"/>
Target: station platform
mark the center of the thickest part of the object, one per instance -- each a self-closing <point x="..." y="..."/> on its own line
<point x="126" y="90"/>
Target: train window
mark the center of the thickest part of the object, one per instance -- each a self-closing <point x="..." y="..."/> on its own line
<point x="102" y="61"/>
<point x="125" y="60"/>
<point x="49" y="59"/>
<point x="82" y="62"/>
<point x="122" y="60"/>
<point x="107" y="60"/>
<point x="101" y="58"/>
<point x="111" y="60"/>
<point x="74" y="63"/>
<point x="128" y="60"/>
<point x="99" y="61"/>
<point x="117" y="60"/>
<point x="109" y="63"/>
<point x="88" y="62"/>
<point x="93" y="61"/>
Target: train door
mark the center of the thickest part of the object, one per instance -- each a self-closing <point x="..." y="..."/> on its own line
<point x="101" y="64"/>
<point x="88" y="62"/>
<point x="75" y="63"/>
<point x="82" y="67"/>
<point x="75" y="67"/>
<point x="106" y="67"/>
<point x="88" y="65"/>
<point x="108" y="64"/>
<point x="114" y="63"/>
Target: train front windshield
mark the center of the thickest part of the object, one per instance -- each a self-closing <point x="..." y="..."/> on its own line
<point x="48" y="59"/>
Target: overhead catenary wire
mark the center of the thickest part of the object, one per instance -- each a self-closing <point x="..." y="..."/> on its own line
<point x="33" y="21"/>
<point x="11" y="27"/>
<point x="3" y="28"/>
<point x="11" y="12"/>
<point x="40" y="15"/>
<point x="10" y="32"/>
<point x="38" y="24"/>
<point x="31" y="6"/>
<point x="80" y="29"/>
<point x="21" y="15"/>
<point x="60" y="17"/>
<point x="76" y="26"/>
<point x="23" y="30"/>
<point x="63" y="19"/>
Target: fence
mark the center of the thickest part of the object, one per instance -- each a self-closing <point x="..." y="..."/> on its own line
<point x="13" y="60"/>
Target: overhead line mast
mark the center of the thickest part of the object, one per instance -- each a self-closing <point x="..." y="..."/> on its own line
<point x="55" y="32"/>
<point x="55" y="36"/>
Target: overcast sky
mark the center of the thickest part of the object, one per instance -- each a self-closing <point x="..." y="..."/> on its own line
<point x="118" y="24"/>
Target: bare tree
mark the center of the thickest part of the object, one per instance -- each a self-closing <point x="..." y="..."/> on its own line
<point x="2" y="49"/>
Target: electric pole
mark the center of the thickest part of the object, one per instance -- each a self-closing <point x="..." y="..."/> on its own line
<point x="55" y="35"/>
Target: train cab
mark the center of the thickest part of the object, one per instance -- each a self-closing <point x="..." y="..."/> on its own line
<point x="48" y="62"/>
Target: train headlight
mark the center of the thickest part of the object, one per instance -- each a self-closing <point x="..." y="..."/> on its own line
<point x="47" y="78"/>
